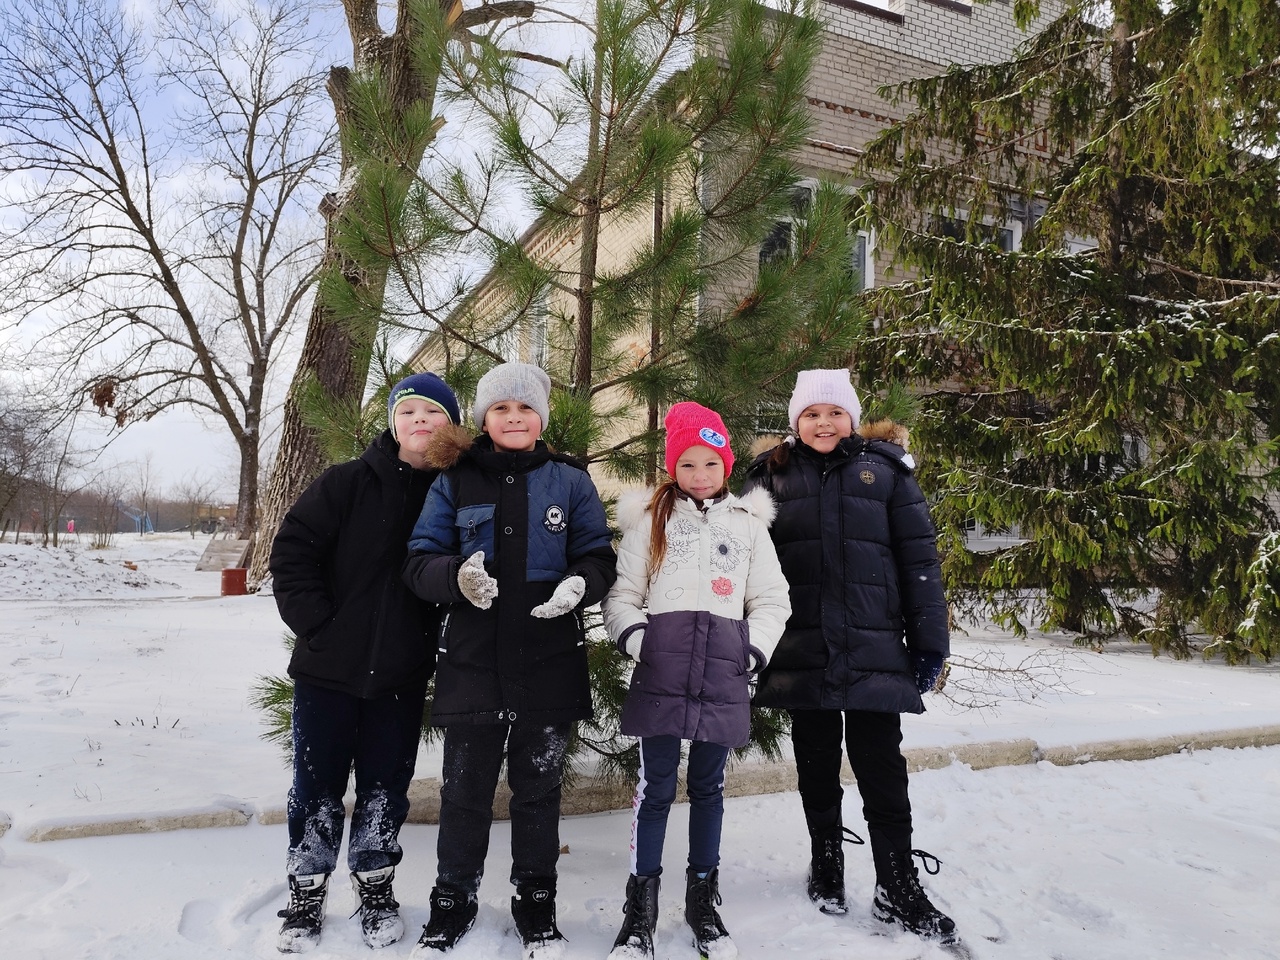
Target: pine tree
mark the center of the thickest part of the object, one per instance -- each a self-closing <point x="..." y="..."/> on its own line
<point x="1108" y="391"/>
<point x="668" y="135"/>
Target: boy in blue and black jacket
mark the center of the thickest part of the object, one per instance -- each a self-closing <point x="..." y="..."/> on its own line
<point x="514" y="542"/>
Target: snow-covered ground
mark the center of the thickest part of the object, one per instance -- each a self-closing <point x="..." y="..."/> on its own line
<point x="123" y="693"/>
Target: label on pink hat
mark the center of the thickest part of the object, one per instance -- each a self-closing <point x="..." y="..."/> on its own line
<point x="711" y="438"/>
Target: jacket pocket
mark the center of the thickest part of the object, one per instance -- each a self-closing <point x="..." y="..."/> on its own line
<point x="475" y="525"/>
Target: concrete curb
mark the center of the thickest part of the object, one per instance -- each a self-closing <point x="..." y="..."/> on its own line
<point x="753" y="779"/>
<point x="68" y="830"/>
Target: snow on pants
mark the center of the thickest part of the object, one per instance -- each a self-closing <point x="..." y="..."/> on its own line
<point x="656" y="791"/>
<point x="333" y="732"/>
<point x="874" y="742"/>
<point x="535" y="772"/>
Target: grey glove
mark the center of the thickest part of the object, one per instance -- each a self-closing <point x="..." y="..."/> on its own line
<point x="476" y="585"/>
<point x="566" y="596"/>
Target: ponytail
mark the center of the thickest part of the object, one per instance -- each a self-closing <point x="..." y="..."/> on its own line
<point x="660" y="507"/>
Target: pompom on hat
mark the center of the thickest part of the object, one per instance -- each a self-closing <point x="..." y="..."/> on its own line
<point x="823" y="386"/>
<point x="425" y="386"/>
<point x="513" y="381"/>
<point x="693" y="425"/>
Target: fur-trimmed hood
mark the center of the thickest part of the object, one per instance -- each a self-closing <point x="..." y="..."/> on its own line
<point x="447" y="446"/>
<point x="633" y="506"/>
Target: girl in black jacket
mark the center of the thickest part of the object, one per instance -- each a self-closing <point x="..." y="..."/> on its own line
<point x="867" y="635"/>
<point x="364" y="654"/>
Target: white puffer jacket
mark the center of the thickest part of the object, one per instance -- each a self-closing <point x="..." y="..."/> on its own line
<point x="718" y="599"/>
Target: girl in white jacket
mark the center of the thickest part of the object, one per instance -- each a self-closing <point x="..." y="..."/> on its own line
<point x="699" y="604"/>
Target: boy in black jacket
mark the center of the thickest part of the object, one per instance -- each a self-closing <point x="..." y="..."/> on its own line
<point x="364" y="654"/>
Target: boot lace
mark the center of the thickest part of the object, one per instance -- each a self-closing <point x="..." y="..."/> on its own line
<point x="303" y="904"/>
<point x="375" y="896"/>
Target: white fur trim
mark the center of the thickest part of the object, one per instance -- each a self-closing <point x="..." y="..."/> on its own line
<point x="759" y="503"/>
<point x="632" y="507"/>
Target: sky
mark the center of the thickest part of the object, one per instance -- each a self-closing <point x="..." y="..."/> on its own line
<point x="124" y="695"/>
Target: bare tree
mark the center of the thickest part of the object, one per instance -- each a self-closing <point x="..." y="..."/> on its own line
<point x="22" y="436"/>
<point x="194" y="497"/>
<point x="161" y="183"/>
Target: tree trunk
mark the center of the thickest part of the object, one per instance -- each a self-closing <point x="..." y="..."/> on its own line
<point x="329" y="356"/>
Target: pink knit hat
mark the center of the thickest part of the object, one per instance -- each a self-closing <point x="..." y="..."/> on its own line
<point x="691" y="425"/>
<point x="823" y="386"/>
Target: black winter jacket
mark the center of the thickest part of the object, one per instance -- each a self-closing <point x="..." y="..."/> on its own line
<point x="336" y="564"/>
<point x="539" y="519"/>
<point x="859" y="551"/>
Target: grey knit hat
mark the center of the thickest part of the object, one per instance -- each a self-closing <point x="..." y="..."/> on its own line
<point x="513" y="381"/>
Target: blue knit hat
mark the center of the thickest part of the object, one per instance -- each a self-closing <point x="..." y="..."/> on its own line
<point x="426" y="386"/>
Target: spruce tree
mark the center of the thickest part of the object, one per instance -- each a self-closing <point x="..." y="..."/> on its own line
<point x="1107" y="392"/>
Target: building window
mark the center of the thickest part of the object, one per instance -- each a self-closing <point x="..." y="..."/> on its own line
<point x="1006" y="236"/>
<point x="861" y="261"/>
<point x="779" y="241"/>
<point x="772" y="419"/>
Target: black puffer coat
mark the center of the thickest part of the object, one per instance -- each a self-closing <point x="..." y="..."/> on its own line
<point x="336" y="564"/>
<point x="859" y="551"/>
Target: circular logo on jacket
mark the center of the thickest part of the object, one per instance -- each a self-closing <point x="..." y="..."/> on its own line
<point x="553" y="520"/>
<point x="867" y="476"/>
<point x="711" y="438"/>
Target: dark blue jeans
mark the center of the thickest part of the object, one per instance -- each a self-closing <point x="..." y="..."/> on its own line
<point x="332" y="733"/>
<point x="535" y="772"/>
<point x="874" y="743"/>
<point x="656" y="791"/>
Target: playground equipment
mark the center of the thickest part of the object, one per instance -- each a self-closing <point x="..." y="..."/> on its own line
<point x="141" y="519"/>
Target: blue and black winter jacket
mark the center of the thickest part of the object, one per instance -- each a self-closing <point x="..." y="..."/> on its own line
<point x="538" y="519"/>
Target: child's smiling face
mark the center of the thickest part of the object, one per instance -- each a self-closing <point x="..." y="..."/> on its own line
<point x="823" y="425"/>
<point x="416" y="420"/>
<point x="700" y="473"/>
<point x="512" y="425"/>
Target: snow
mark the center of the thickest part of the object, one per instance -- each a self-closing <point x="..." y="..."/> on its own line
<point x="123" y="696"/>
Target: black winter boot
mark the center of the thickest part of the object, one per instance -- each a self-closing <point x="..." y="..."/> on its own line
<point x="827" y="837"/>
<point x="304" y="915"/>
<point x="900" y="898"/>
<point x="452" y="914"/>
<point x="380" y="922"/>
<point x="534" y="910"/>
<point x="701" y="897"/>
<point x="640" y="919"/>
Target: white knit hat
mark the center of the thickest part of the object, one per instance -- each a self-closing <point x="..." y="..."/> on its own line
<point x="823" y="386"/>
<point x="513" y="381"/>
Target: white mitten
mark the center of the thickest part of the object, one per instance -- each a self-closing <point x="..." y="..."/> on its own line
<point x="633" y="643"/>
<point x="476" y="585"/>
<point x="567" y="594"/>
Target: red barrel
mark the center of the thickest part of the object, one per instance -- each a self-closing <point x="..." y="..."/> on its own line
<point x="233" y="581"/>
